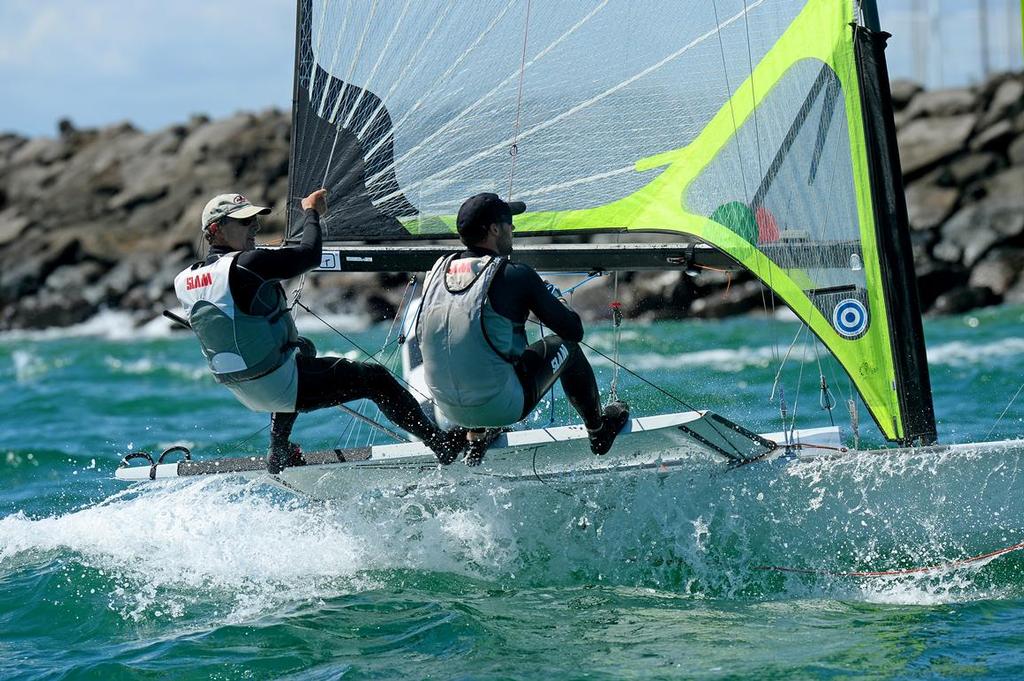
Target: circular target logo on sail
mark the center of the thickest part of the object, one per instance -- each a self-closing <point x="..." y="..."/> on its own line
<point x="850" y="318"/>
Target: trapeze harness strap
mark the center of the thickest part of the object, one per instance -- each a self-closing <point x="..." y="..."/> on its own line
<point x="468" y="348"/>
<point x="238" y="346"/>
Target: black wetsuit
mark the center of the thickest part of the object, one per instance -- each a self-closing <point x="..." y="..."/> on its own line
<point x="516" y="292"/>
<point x="323" y="381"/>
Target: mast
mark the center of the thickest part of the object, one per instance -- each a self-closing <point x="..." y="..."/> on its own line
<point x="301" y="9"/>
<point x="913" y="384"/>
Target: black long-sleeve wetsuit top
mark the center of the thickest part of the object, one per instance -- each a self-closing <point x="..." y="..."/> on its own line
<point x="260" y="265"/>
<point x="518" y="290"/>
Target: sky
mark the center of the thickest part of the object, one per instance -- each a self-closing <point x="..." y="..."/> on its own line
<point x="155" y="63"/>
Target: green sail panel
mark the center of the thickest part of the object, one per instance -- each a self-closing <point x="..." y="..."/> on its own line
<point x="738" y="122"/>
<point x="407" y="107"/>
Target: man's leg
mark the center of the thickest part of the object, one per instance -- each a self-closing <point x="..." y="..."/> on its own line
<point x="281" y="423"/>
<point x="327" y="382"/>
<point x="282" y="452"/>
<point x="551" y="359"/>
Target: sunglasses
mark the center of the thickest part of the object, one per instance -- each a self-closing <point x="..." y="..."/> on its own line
<point x="250" y="222"/>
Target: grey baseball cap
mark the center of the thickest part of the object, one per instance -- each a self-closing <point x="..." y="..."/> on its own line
<point x="230" y="205"/>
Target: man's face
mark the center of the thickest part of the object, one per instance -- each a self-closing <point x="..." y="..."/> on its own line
<point x="240" y="235"/>
<point x="505" y="237"/>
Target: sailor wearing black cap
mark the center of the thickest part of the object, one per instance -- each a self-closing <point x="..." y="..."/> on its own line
<point x="472" y="320"/>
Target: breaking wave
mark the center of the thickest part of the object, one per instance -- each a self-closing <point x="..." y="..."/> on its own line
<point x="122" y="326"/>
<point x="962" y="354"/>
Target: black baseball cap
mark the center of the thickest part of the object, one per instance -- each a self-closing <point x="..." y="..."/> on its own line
<point x="477" y="212"/>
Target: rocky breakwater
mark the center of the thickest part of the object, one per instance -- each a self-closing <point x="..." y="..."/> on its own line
<point x="104" y="219"/>
<point x="94" y="219"/>
<point x="962" y="153"/>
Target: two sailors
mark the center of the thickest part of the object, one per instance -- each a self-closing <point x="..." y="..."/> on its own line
<point x="479" y="368"/>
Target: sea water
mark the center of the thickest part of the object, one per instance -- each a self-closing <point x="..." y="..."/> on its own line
<point x="634" y="576"/>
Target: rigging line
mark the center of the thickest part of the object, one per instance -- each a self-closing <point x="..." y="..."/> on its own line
<point x="513" y="150"/>
<point x="321" y="107"/>
<point x="613" y="391"/>
<point x="368" y="84"/>
<point x="778" y="374"/>
<point x="350" y="431"/>
<point x="659" y="389"/>
<point x="334" y="117"/>
<point x="826" y="399"/>
<point x="372" y="357"/>
<point x="796" y="400"/>
<point x="633" y="374"/>
<point x="317" y="50"/>
<point x="413" y="61"/>
<point x="358" y="432"/>
<point x="330" y="157"/>
<point x="238" y="443"/>
<point x="401" y="312"/>
<point x="760" y="165"/>
<point x="1012" y="400"/>
<point x="590" y="278"/>
<point x="373" y="423"/>
<point x="728" y="88"/>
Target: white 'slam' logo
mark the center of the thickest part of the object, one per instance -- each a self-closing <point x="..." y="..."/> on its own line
<point x="563" y="354"/>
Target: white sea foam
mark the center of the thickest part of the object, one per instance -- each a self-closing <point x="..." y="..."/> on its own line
<point x="146" y="366"/>
<point x="961" y="354"/>
<point x="175" y="548"/>
<point x="29" y="366"/>
<point x="122" y="326"/>
<point x="108" y="324"/>
<point x="953" y="585"/>
<point x="307" y="323"/>
<point x="717" y="359"/>
<point x="955" y="353"/>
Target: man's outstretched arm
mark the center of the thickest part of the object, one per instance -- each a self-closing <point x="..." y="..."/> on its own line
<point x="292" y="261"/>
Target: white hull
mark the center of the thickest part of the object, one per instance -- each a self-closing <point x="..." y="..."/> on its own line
<point x="854" y="509"/>
<point x="687" y="440"/>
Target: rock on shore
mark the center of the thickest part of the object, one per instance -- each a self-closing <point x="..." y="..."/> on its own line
<point x="104" y="219"/>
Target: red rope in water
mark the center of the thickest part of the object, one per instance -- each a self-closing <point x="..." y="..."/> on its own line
<point x="896" y="573"/>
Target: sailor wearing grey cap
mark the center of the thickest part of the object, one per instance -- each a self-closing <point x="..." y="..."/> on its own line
<point x="471" y="326"/>
<point x="234" y="206"/>
<point x="238" y="309"/>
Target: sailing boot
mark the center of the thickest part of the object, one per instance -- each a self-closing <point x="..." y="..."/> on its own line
<point x="283" y="455"/>
<point x="614" y="418"/>
<point x="448" y="445"/>
<point x="477" y="448"/>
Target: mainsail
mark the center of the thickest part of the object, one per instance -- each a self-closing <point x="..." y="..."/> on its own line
<point x="755" y="126"/>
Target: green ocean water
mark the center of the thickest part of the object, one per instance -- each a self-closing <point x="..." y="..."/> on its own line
<point x="633" y="576"/>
